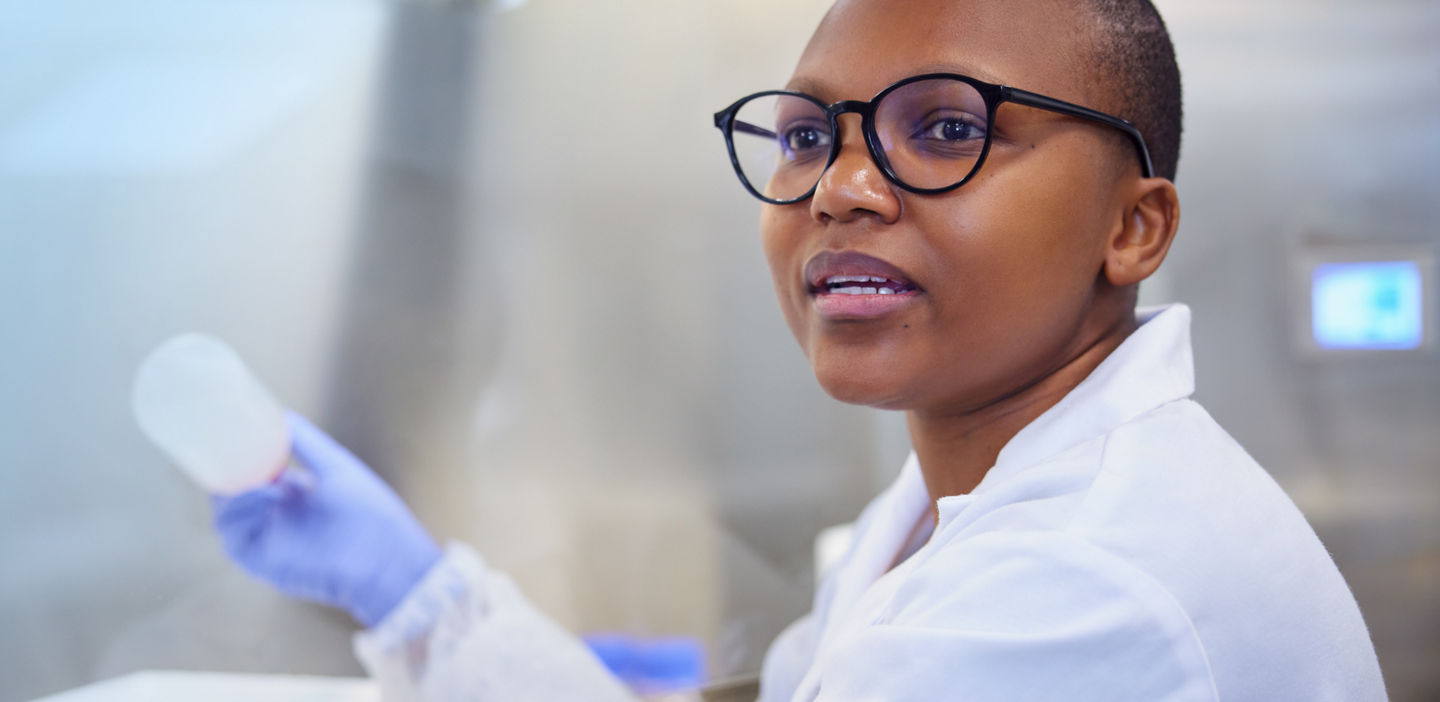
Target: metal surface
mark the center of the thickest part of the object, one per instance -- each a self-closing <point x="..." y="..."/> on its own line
<point x="1264" y="178"/>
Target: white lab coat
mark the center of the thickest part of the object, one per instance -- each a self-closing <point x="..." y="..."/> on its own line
<point x="1123" y="547"/>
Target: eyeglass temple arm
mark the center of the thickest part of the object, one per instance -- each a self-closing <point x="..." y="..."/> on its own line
<point x="748" y="128"/>
<point x="1025" y="97"/>
<point x="727" y="117"/>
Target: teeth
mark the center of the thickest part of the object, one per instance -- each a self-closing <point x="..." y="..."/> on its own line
<point x="842" y="279"/>
<point x="857" y="290"/>
<point x="861" y="285"/>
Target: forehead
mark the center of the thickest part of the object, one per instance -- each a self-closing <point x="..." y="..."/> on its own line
<point x="862" y="46"/>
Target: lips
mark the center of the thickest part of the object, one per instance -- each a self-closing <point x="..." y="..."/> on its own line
<point x="854" y="286"/>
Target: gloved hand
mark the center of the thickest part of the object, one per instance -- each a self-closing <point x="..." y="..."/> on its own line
<point x="337" y="535"/>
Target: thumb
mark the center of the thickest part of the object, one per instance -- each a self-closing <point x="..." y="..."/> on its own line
<point x="323" y="455"/>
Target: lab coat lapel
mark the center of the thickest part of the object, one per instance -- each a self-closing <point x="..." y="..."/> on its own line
<point x="1151" y="368"/>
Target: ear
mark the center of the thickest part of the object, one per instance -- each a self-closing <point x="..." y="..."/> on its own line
<point x="1142" y="237"/>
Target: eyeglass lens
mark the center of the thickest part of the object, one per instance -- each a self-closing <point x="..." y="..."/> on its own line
<point x="931" y="132"/>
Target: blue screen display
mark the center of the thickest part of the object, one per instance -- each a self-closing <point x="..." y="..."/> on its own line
<point x="1368" y="305"/>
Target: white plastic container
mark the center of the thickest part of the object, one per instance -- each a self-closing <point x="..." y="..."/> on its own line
<point x="195" y="399"/>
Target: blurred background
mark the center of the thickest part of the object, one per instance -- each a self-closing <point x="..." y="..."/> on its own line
<point x="497" y="249"/>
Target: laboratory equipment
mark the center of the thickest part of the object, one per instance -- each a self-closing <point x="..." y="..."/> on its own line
<point x="1364" y="299"/>
<point x="663" y="669"/>
<point x="195" y="399"/>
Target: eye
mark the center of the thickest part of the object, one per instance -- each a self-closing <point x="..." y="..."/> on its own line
<point x="951" y="129"/>
<point x="801" y="139"/>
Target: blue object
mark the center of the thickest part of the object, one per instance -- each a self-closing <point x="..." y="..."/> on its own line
<point x="651" y="665"/>
<point x="336" y="534"/>
<point x="1367" y="305"/>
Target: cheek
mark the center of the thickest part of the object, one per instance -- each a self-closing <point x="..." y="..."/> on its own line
<point x="1019" y="269"/>
<point x="1037" y="237"/>
<point x="781" y="248"/>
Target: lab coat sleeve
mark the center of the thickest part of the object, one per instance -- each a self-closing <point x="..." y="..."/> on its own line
<point x="465" y="633"/>
<point x="1015" y="618"/>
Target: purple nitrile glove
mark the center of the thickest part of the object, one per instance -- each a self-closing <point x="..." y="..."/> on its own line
<point x="337" y="535"/>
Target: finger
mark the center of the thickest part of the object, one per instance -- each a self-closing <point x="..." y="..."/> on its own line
<point x="319" y="452"/>
<point x="296" y="478"/>
<point x="242" y="512"/>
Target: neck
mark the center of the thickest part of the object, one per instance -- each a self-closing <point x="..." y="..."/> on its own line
<point x="957" y="448"/>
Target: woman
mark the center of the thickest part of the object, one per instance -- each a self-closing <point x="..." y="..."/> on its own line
<point x="1070" y="526"/>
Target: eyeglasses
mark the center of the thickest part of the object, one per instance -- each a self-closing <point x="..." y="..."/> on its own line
<point x="928" y="134"/>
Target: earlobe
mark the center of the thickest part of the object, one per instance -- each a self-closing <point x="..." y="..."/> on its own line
<point x="1143" y="237"/>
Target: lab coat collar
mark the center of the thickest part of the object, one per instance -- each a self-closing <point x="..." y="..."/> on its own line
<point x="1152" y="367"/>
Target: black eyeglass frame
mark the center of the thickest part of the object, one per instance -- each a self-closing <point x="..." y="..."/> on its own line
<point x="993" y="94"/>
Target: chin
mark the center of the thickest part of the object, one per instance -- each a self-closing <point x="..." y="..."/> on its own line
<point x="859" y="388"/>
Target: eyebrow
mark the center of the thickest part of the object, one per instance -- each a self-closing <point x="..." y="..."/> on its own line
<point x="820" y="89"/>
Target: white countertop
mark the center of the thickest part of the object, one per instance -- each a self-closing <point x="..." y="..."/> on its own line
<point x="177" y="686"/>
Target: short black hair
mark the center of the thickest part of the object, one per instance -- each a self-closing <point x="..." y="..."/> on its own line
<point x="1133" y="63"/>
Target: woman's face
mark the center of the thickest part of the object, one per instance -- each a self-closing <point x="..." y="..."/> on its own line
<point x="1000" y="277"/>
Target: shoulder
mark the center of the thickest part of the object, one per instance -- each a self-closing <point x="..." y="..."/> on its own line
<point x="1174" y="461"/>
<point x="1163" y="530"/>
<point x="1177" y="496"/>
<point x="1182" y="432"/>
<point x="1033" y="615"/>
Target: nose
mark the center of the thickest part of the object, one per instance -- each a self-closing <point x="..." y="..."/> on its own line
<point x="854" y="186"/>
